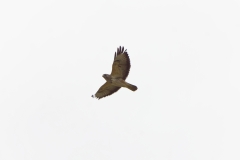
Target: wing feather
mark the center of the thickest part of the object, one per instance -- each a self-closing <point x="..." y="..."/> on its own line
<point x="121" y="64"/>
<point x="105" y="90"/>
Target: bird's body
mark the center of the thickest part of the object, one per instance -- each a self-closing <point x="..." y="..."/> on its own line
<point x="119" y="82"/>
<point x="116" y="80"/>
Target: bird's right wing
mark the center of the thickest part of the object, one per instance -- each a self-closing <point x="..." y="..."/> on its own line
<point x="106" y="90"/>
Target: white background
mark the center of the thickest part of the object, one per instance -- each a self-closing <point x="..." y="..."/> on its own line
<point x="185" y="61"/>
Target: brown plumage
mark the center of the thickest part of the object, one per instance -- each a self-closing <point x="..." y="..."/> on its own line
<point x="120" y="70"/>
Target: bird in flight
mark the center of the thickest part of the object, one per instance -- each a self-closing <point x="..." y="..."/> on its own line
<point x="116" y="80"/>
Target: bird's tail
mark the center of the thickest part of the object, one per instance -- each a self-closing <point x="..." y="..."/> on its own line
<point x="131" y="87"/>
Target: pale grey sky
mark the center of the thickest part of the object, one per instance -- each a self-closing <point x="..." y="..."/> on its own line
<point x="185" y="61"/>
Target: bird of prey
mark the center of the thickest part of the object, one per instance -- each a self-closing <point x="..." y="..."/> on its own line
<point x="116" y="80"/>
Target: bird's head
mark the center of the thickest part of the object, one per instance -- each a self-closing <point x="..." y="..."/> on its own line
<point x="106" y="77"/>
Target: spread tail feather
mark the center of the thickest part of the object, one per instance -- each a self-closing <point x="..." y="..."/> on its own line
<point x="131" y="87"/>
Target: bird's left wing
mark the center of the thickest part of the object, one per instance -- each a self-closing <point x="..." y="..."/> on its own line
<point x="106" y="90"/>
<point x="121" y="64"/>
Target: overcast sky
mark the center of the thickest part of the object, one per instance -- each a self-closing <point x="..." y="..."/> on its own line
<point x="185" y="61"/>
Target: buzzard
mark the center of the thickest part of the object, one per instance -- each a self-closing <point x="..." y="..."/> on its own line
<point x="116" y="80"/>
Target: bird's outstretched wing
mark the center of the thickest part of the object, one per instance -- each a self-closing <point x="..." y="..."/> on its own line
<point x="121" y="64"/>
<point x="105" y="90"/>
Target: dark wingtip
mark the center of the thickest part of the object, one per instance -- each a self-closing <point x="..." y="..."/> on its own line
<point x="121" y="50"/>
